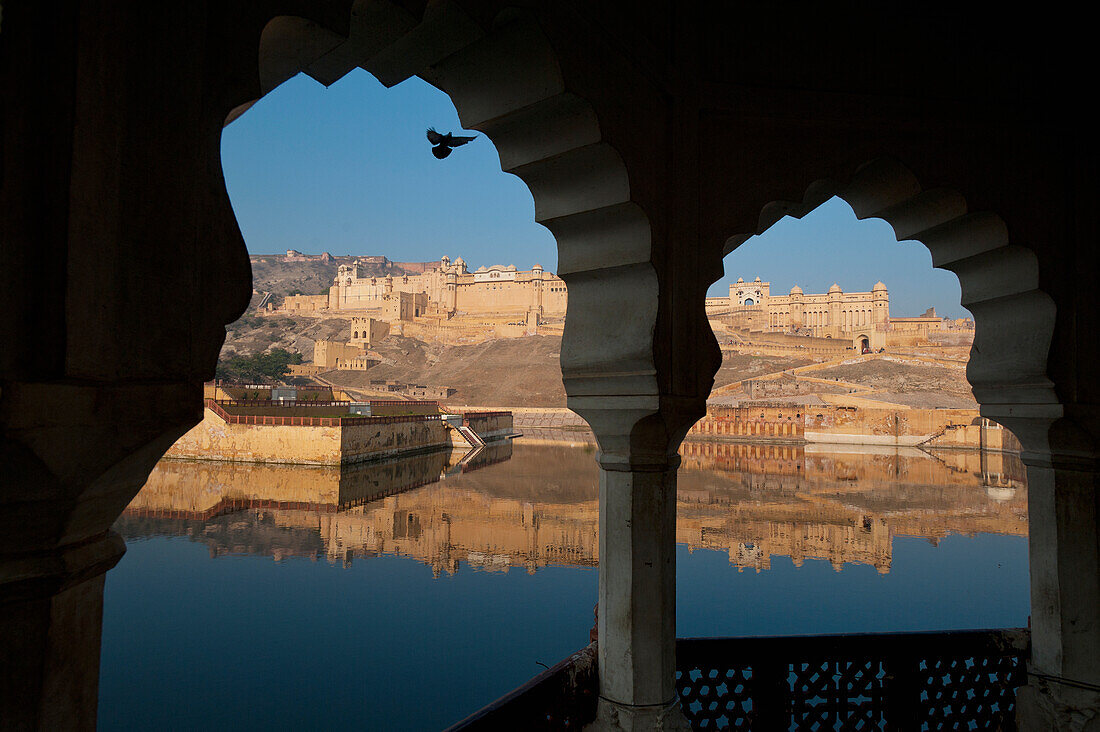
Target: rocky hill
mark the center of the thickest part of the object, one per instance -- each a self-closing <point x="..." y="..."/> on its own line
<point x="510" y="372"/>
<point x="253" y="334"/>
<point x="506" y="372"/>
<point x="283" y="278"/>
<point x="914" y="385"/>
<point x="281" y="275"/>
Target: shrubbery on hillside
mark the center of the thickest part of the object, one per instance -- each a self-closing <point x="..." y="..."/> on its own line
<point x="260" y="368"/>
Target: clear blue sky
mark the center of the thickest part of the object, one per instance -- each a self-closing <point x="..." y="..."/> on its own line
<point x="347" y="170"/>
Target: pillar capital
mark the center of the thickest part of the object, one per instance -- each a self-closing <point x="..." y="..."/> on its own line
<point x="639" y="432"/>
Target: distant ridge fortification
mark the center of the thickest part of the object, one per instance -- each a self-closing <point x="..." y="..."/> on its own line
<point x="442" y="289"/>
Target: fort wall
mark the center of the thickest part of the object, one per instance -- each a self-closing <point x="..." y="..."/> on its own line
<point x="782" y="349"/>
<point x="794" y="343"/>
<point x="497" y="297"/>
<point x="396" y="408"/>
<point x="330" y="354"/>
<point x="308" y="443"/>
<point x="373" y="441"/>
<point x="220" y="391"/>
<point x="303" y="369"/>
<point x="304" y="303"/>
<point x="489" y="425"/>
<point x="215" y="439"/>
<point x="454" y="333"/>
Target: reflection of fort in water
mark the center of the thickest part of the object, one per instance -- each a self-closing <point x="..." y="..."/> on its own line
<point x="536" y="506"/>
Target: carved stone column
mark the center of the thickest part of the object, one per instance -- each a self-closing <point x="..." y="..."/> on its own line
<point x="637" y="617"/>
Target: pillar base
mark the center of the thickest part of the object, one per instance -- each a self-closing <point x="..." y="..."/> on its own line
<point x="1043" y="706"/>
<point x="51" y="613"/>
<point x="614" y="717"/>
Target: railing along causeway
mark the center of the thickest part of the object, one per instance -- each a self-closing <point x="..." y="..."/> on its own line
<point x="349" y="421"/>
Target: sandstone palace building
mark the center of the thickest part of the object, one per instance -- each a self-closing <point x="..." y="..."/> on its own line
<point x="863" y="318"/>
<point x="447" y="288"/>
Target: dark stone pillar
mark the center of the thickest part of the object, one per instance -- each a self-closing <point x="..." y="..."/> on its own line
<point x="51" y="614"/>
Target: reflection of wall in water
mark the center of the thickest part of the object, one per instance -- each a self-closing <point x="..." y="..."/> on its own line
<point x="859" y="500"/>
<point x="442" y="526"/>
<point x="751" y="544"/>
<point x="200" y="489"/>
<point x="905" y="465"/>
<point x="539" y="508"/>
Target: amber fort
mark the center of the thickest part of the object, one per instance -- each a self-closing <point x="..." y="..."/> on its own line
<point x="861" y="318"/>
<point x="445" y="289"/>
<point x="443" y="301"/>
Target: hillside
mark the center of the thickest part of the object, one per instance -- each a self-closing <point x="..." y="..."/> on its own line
<point x="280" y="277"/>
<point x="899" y="377"/>
<point x="252" y="334"/>
<point x="739" y="366"/>
<point x="514" y="372"/>
<point x="915" y="385"/>
<point x="519" y="372"/>
<point x="508" y="372"/>
<point x="511" y="372"/>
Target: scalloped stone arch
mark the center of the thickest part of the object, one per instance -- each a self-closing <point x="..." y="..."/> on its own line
<point x="1008" y="370"/>
<point x="507" y="84"/>
<point x="1014" y="319"/>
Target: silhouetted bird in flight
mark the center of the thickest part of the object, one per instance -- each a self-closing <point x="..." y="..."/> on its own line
<point x="444" y="143"/>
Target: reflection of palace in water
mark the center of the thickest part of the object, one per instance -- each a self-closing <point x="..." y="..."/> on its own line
<point x="535" y="505"/>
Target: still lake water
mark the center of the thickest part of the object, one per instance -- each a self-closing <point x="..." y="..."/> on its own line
<point x="406" y="595"/>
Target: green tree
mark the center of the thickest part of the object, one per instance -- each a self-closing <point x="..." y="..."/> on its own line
<point x="258" y="368"/>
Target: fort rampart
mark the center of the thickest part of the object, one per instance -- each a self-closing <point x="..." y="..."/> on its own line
<point x="305" y="440"/>
<point x="813" y="344"/>
<point x="324" y="434"/>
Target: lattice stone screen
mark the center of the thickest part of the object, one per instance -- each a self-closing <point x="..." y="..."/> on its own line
<point x="913" y="681"/>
